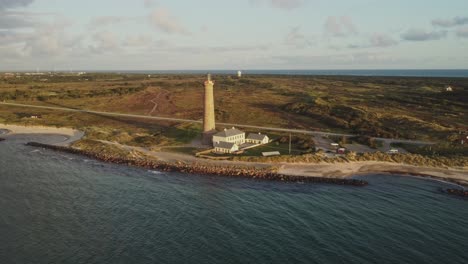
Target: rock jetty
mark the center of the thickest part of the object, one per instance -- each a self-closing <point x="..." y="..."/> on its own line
<point x="230" y="171"/>
<point x="2" y="139"/>
<point x="458" y="192"/>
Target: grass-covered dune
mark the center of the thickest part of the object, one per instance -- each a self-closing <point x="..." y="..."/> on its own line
<point x="396" y="107"/>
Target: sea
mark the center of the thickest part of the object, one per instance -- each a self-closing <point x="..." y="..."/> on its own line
<point x="63" y="208"/>
<point x="461" y="73"/>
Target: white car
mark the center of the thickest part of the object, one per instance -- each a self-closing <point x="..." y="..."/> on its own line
<point x="393" y="151"/>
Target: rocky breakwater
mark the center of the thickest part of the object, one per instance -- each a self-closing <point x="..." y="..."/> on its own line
<point x="230" y="171"/>
<point x="458" y="192"/>
<point x="2" y="139"/>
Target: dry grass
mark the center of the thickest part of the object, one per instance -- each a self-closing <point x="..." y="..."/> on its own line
<point x="400" y="107"/>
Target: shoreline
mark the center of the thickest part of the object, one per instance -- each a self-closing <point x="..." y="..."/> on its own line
<point x="71" y="135"/>
<point x="337" y="171"/>
<point x="227" y="171"/>
<point x="352" y="169"/>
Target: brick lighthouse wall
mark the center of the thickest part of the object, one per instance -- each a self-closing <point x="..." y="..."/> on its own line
<point x="209" y="125"/>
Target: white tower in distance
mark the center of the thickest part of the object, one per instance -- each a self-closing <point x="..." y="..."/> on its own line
<point x="239" y="74"/>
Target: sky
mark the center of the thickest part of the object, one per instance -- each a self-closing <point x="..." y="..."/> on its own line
<point x="232" y="34"/>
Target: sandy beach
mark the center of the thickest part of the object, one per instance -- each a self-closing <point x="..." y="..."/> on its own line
<point x="71" y="135"/>
<point x="346" y="170"/>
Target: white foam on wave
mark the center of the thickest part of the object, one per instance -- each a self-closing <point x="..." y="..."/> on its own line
<point x="67" y="157"/>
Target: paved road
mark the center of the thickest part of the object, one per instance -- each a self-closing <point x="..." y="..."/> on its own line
<point x="181" y="120"/>
<point x="404" y="141"/>
<point x="386" y="144"/>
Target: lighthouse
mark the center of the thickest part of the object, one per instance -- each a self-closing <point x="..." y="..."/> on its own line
<point x="209" y="126"/>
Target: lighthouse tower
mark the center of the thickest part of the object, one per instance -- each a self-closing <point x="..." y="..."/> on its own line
<point x="209" y="126"/>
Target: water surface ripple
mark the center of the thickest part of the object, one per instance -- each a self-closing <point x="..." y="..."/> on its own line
<point x="59" y="208"/>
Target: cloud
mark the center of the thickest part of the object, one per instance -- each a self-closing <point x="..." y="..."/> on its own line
<point x="164" y="21"/>
<point x="296" y="39"/>
<point x="21" y="19"/>
<point x="340" y="26"/>
<point x="376" y="40"/>
<point x="423" y="35"/>
<point x="12" y="37"/>
<point x="28" y="35"/>
<point x="51" y="40"/>
<point x="462" y="32"/>
<point x="281" y="4"/>
<point x="138" y="41"/>
<point x="382" y="40"/>
<point x="170" y="47"/>
<point x="104" y="21"/>
<point x="360" y="59"/>
<point x="456" y="21"/>
<point x="239" y="48"/>
<point x="6" y="4"/>
<point x="286" y="4"/>
<point x="11" y="20"/>
<point x="105" y="41"/>
<point x="149" y="3"/>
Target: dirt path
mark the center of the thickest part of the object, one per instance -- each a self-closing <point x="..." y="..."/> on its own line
<point x="156" y="99"/>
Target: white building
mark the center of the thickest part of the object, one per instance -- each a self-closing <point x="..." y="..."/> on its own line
<point x="225" y="147"/>
<point x="232" y="135"/>
<point x="449" y="89"/>
<point x="257" y="139"/>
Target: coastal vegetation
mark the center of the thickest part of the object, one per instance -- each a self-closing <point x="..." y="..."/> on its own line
<point x="392" y="107"/>
<point x="409" y="159"/>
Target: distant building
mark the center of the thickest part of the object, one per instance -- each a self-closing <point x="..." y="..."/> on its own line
<point x="449" y="89"/>
<point x="225" y="147"/>
<point x="8" y="75"/>
<point x="257" y="139"/>
<point x="239" y="74"/>
<point x="232" y="135"/>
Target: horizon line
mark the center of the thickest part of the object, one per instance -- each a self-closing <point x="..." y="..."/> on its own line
<point x="233" y="69"/>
